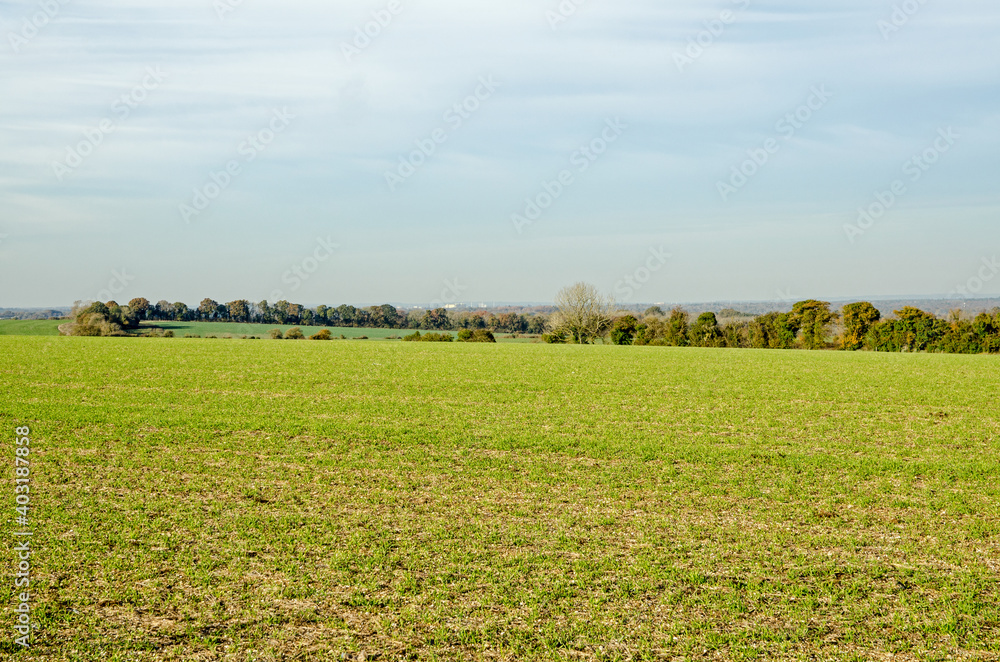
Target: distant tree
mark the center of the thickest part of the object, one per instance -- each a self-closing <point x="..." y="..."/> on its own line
<point x="654" y="310"/>
<point x="182" y="313"/>
<point x="163" y="310"/>
<point x="676" y="332"/>
<point x="275" y="334"/>
<point x="536" y="324"/>
<point x="281" y="312"/>
<point x="476" y="321"/>
<point x="385" y="317"/>
<point x="96" y="307"/>
<point x="624" y="330"/>
<point x="858" y="320"/>
<point x="319" y="315"/>
<point x="347" y="315"/>
<point x="436" y="319"/>
<point x="294" y="333"/>
<point x="773" y="331"/>
<point x="140" y="307"/>
<point x="128" y="318"/>
<point x="208" y="309"/>
<point x="308" y="318"/>
<point x="814" y="319"/>
<point x="239" y="310"/>
<point x="584" y="313"/>
<point x="736" y="334"/>
<point x="263" y="313"/>
<point x="114" y="314"/>
<point x="729" y="313"/>
<point x="510" y="323"/>
<point x="912" y="330"/>
<point x="705" y="331"/>
<point x="98" y="319"/>
<point x="362" y="318"/>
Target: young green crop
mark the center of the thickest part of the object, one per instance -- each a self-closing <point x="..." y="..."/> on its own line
<point x="308" y="500"/>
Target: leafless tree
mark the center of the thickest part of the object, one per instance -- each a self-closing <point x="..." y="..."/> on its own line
<point x="585" y="313"/>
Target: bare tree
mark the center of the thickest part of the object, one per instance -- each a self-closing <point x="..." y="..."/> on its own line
<point x="584" y="313"/>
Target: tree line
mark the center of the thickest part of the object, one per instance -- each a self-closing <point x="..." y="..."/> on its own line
<point x="584" y="315"/>
<point x="111" y="318"/>
<point x="810" y="325"/>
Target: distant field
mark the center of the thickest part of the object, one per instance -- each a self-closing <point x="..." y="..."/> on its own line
<point x="30" y="327"/>
<point x="315" y="501"/>
<point x="261" y="330"/>
<point x="222" y="329"/>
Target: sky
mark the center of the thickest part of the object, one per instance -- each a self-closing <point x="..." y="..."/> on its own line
<point x="415" y="151"/>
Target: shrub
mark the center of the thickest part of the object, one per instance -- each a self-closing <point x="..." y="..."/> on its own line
<point x="275" y="334"/>
<point x="428" y="337"/>
<point x="294" y="333"/>
<point x="322" y="335"/>
<point x="554" y="338"/>
<point x="191" y="335"/>
<point x="212" y="335"/>
<point x="479" y="335"/>
<point x="168" y="333"/>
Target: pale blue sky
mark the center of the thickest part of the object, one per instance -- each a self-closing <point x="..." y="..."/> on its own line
<point x="342" y="120"/>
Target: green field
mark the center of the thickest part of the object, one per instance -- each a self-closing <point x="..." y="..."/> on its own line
<point x="30" y="327"/>
<point x="228" y="330"/>
<point x="238" y="330"/>
<point x="326" y="501"/>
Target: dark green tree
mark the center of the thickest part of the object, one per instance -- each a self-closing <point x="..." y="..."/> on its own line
<point x="676" y="332"/>
<point x="705" y="331"/>
<point x="624" y="330"/>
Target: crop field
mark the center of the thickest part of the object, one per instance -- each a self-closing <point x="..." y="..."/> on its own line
<point x="206" y="500"/>
<point x="30" y="327"/>
<point x="260" y="330"/>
